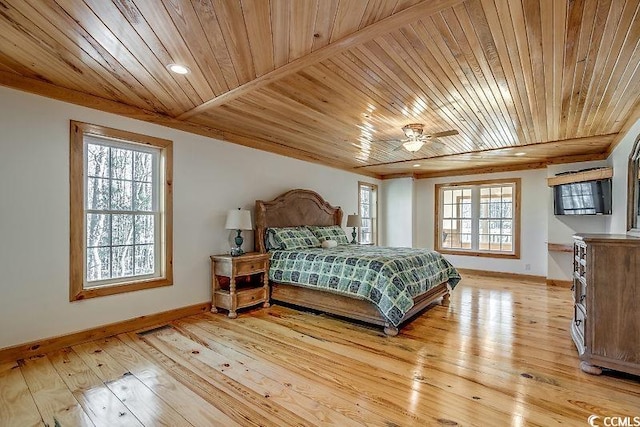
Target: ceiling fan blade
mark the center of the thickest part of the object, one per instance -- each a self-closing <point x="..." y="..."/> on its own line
<point x="445" y="133"/>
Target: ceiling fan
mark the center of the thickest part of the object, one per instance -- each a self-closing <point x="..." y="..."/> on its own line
<point x="416" y="138"/>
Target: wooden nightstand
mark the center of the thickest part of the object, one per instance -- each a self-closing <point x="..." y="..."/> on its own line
<point x="239" y="282"/>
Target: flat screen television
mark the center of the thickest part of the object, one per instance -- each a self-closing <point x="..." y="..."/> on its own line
<point x="583" y="198"/>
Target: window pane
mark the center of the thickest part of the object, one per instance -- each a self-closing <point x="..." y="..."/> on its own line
<point x="98" y="230"/>
<point x="121" y="166"/>
<point x="98" y="264"/>
<point x="457" y="195"/>
<point x="143" y="166"/>
<point x="143" y="196"/>
<point x="447" y="225"/>
<point x="484" y="242"/>
<point x="483" y="226"/>
<point x="465" y="241"/>
<point x="144" y="229"/>
<point x="466" y="193"/>
<point x="494" y="227"/>
<point x="97" y="193"/>
<point x="484" y="210"/>
<point x="365" y="211"/>
<point x="122" y="261"/>
<point x="97" y="161"/>
<point x="485" y="192"/>
<point x="507" y="210"/>
<point x="122" y="229"/>
<point x="465" y="210"/>
<point x="121" y="196"/>
<point x="448" y="196"/>
<point x="144" y="258"/>
<point x="506" y="227"/>
<point x="366" y="223"/>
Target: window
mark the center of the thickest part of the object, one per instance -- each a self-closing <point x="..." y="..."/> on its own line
<point x="121" y="200"/>
<point x="479" y="218"/>
<point x="368" y="206"/>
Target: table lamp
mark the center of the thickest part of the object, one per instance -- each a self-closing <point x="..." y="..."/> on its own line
<point x="238" y="219"/>
<point x="353" y="221"/>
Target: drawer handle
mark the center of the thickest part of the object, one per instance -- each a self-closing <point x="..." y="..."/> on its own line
<point x="582" y="297"/>
<point x="578" y="322"/>
<point x="573" y="287"/>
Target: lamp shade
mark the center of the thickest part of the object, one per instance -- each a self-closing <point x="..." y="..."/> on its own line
<point x="238" y="219"/>
<point x="353" y="220"/>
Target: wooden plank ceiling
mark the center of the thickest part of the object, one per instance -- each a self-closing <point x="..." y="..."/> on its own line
<point x="525" y="83"/>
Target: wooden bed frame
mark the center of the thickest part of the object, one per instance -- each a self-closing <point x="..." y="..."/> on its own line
<point x="304" y="207"/>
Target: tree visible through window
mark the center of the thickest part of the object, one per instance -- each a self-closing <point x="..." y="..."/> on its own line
<point x="480" y="218"/>
<point x="121" y="216"/>
<point x="368" y="207"/>
<point x="122" y="210"/>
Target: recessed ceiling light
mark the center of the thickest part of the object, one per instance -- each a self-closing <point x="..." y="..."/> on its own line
<point x="178" y="69"/>
<point x="417" y="165"/>
<point x="522" y="153"/>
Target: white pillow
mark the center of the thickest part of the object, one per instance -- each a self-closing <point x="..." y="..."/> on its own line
<point x="326" y="244"/>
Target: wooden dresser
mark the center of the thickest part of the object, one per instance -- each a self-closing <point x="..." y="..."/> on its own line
<point x="606" y="292"/>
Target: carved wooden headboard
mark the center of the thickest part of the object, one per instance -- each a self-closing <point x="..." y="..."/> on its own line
<point x="291" y="209"/>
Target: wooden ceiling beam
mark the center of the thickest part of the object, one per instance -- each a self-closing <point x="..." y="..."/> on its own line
<point x="419" y="11"/>
<point x="584" y="140"/>
<point x="510" y="167"/>
<point x="38" y="87"/>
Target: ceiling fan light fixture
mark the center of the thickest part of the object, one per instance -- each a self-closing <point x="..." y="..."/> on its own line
<point x="413" y="130"/>
<point x="413" y="145"/>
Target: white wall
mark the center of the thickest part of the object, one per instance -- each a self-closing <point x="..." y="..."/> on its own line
<point x="533" y="223"/>
<point x="619" y="160"/>
<point x="398" y="212"/>
<point x="210" y="177"/>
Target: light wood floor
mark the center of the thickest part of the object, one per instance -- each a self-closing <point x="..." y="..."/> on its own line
<point x="499" y="355"/>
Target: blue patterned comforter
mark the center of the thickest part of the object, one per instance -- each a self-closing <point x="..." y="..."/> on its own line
<point x="387" y="277"/>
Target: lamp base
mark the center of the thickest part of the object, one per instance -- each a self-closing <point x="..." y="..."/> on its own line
<point x="353" y="236"/>
<point x="237" y="251"/>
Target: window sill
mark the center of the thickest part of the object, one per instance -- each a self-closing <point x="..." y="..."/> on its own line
<point x="479" y="254"/>
<point x="120" y="288"/>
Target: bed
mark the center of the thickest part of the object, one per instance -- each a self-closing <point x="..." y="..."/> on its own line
<point x="297" y="208"/>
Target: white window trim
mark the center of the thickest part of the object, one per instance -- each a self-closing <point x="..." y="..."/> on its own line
<point x="475" y="216"/>
<point x="164" y="225"/>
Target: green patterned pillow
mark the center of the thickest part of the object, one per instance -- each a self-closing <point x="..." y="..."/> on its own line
<point x="331" y="232"/>
<point x="291" y="238"/>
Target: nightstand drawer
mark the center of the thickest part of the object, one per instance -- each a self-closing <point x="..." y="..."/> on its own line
<point x="250" y="267"/>
<point x="250" y="297"/>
